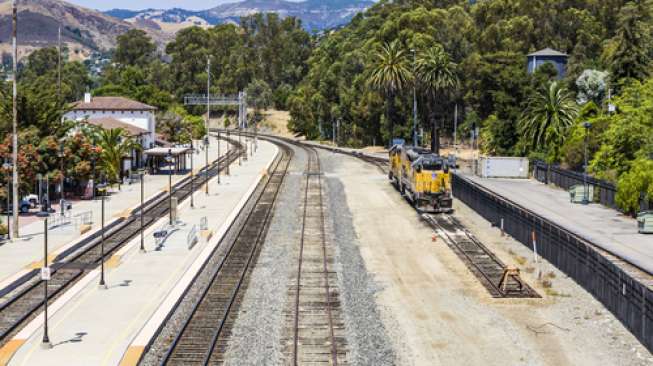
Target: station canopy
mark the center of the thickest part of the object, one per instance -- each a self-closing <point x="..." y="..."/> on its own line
<point x="163" y="151"/>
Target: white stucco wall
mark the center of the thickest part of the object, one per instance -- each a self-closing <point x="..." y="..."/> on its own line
<point x="141" y="119"/>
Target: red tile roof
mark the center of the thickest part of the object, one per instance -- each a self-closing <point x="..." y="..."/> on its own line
<point x="111" y="123"/>
<point x="112" y="103"/>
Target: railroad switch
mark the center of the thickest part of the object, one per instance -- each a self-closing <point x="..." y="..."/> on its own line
<point x="510" y="272"/>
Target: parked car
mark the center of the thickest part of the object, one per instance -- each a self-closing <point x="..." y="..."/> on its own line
<point x="32" y="199"/>
<point x="23" y="206"/>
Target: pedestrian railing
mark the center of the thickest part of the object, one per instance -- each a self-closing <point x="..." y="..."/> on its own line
<point x="564" y="178"/>
<point x="58" y="220"/>
<point x="83" y="218"/>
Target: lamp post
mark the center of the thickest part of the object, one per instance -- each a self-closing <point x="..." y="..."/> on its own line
<point x="93" y="148"/>
<point x="228" y="137"/>
<point x="240" y="132"/>
<point x="141" y="172"/>
<point x="61" y="156"/>
<point x="192" y="174"/>
<point x="102" y="189"/>
<point x="218" y="157"/>
<point x="169" y="161"/>
<point x="414" y="104"/>
<point x="585" y="200"/>
<point x="45" y="277"/>
<point x="206" y="170"/>
<point x="7" y="167"/>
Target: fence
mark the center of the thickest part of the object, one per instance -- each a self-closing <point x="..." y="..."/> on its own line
<point x="564" y="178"/>
<point x="629" y="300"/>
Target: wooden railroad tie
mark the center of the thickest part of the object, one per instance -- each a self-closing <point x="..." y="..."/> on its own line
<point x="509" y="272"/>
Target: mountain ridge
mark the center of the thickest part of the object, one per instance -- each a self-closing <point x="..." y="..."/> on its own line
<point x="315" y="14"/>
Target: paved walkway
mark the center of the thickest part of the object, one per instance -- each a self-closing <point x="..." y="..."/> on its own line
<point x="96" y="326"/>
<point x="605" y="227"/>
<point x="27" y="251"/>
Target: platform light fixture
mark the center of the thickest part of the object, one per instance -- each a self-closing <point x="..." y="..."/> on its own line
<point x="102" y="189"/>
<point x="45" y="277"/>
<point x="587" y="125"/>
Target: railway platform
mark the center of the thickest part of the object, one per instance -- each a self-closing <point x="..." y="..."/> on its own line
<point x="24" y="254"/>
<point x="606" y="228"/>
<point x="96" y="326"/>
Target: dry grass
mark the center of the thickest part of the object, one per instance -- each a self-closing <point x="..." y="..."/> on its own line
<point x="277" y="122"/>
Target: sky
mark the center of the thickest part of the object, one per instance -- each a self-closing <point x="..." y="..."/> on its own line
<point x="144" y="4"/>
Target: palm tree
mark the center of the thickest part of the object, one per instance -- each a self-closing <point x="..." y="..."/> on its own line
<point x="115" y="145"/>
<point x="436" y="74"/>
<point x="390" y="74"/>
<point x="549" y="113"/>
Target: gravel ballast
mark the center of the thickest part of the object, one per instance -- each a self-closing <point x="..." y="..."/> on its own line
<point x="257" y="333"/>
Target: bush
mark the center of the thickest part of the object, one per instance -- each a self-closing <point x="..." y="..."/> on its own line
<point x="639" y="179"/>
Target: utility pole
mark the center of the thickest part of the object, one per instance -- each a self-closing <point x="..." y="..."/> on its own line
<point x="208" y="116"/>
<point x="59" y="67"/>
<point x="455" y="125"/>
<point x="414" y="105"/>
<point x="15" y="118"/>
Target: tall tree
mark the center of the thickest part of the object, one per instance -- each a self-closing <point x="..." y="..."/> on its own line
<point x="134" y="48"/>
<point x="115" y="145"/>
<point x="549" y="113"/>
<point x="629" y="52"/>
<point x="435" y="74"/>
<point x="390" y="74"/>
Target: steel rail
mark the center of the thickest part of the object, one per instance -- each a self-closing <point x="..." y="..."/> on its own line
<point x="85" y="259"/>
<point x="313" y="171"/>
<point x="219" y="269"/>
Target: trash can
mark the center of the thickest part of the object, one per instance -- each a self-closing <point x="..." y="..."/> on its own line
<point x="577" y="193"/>
<point x="645" y="222"/>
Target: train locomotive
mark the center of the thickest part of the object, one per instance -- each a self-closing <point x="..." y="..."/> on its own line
<point x="422" y="177"/>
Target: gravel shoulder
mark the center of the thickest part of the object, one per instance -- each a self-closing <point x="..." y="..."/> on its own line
<point x="436" y="312"/>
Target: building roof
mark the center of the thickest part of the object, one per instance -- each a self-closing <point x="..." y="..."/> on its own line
<point x="111" y="104"/>
<point x="548" y="52"/>
<point x="163" y="151"/>
<point x="111" y="123"/>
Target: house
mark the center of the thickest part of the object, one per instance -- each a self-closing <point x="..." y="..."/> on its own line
<point x="137" y="118"/>
<point x="548" y="55"/>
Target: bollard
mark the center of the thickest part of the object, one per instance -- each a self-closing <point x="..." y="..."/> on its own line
<point x="503" y="233"/>
<point x="535" y="257"/>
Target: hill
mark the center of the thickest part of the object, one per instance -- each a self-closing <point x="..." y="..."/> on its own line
<point x="84" y="30"/>
<point x="315" y="14"/>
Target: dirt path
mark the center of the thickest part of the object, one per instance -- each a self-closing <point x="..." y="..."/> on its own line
<point x="437" y="312"/>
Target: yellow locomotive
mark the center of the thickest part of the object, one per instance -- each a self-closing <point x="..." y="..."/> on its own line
<point x="422" y="177"/>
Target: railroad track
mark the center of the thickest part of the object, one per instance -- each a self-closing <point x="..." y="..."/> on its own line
<point x="22" y="303"/>
<point x="204" y="334"/>
<point x="317" y="333"/>
<point x="487" y="268"/>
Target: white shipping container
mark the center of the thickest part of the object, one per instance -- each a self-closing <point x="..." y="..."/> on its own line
<point x="503" y="167"/>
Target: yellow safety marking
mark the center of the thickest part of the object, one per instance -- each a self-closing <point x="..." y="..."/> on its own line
<point x="132" y="356"/>
<point x="9" y="349"/>
<point x="83" y="229"/>
<point x="123" y="214"/>
<point x="113" y="262"/>
<point x="206" y="234"/>
<point x="39" y="263"/>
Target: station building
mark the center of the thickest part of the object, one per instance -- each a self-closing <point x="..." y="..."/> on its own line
<point x="136" y="118"/>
